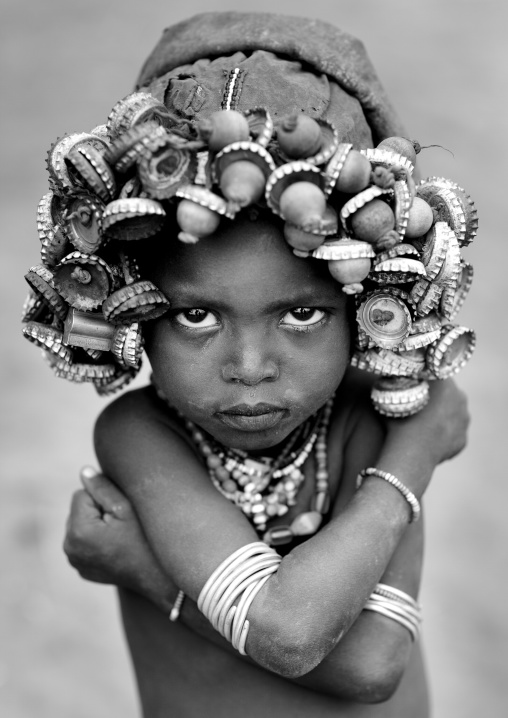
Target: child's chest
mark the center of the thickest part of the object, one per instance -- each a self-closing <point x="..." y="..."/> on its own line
<point x="313" y="505"/>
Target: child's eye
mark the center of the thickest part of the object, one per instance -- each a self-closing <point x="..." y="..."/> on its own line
<point x="303" y="317"/>
<point x="198" y="318"/>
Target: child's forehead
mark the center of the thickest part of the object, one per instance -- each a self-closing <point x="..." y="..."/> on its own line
<point x="241" y="254"/>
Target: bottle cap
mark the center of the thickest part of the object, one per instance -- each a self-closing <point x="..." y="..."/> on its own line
<point x="101" y="131"/>
<point x="359" y="201"/>
<point x="428" y="323"/>
<point x="260" y="125"/>
<point x="81" y="372"/>
<point x="87" y="168"/>
<point x="426" y="296"/>
<point x="288" y="174"/>
<point x="125" y="151"/>
<point x="454" y="295"/>
<point x="434" y="248"/>
<point x="326" y="227"/>
<point x="451" y="351"/>
<point x="133" y="218"/>
<point x="135" y="302"/>
<point x="444" y="195"/>
<point x="417" y="340"/>
<point x="343" y="249"/>
<point x="399" y="270"/>
<point x="397" y="398"/>
<point x="399" y="250"/>
<point x="250" y="151"/>
<point x="205" y="198"/>
<point x="402" y="205"/>
<point x="135" y="109"/>
<point x="127" y="346"/>
<point x="166" y="168"/>
<point x="48" y="338"/>
<point x="334" y="166"/>
<point x="54" y="244"/>
<point x="379" y="157"/>
<point x="82" y="222"/>
<point x="112" y="384"/>
<point x="35" y="309"/>
<point x="450" y="269"/>
<point x="389" y="363"/>
<point x="129" y="268"/>
<point x="83" y="280"/>
<point x="41" y="280"/>
<point x="385" y="317"/>
<point x="58" y="170"/>
<point x="327" y="147"/>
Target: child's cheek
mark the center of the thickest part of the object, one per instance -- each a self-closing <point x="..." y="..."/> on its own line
<point x="177" y="366"/>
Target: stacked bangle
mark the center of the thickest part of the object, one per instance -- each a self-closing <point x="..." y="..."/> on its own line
<point x="237" y="581"/>
<point x="397" y="605"/>
<point x="411" y="499"/>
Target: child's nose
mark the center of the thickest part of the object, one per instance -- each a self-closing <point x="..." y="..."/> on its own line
<point x="251" y="362"/>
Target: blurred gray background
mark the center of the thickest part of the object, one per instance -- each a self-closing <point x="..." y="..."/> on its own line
<point x="64" y="64"/>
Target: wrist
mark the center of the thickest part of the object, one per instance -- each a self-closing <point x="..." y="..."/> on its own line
<point x="159" y="591"/>
<point x="389" y="503"/>
<point x="409" y="462"/>
<point x="408" y="496"/>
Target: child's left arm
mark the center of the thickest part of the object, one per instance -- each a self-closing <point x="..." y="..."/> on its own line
<point x="105" y="542"/>
<point x="369" y="661"/>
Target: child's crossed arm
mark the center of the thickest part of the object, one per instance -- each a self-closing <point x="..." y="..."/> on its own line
<point x="334" y="561"/>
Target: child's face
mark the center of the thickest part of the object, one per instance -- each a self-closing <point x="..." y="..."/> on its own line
<point x="256" y="339"/>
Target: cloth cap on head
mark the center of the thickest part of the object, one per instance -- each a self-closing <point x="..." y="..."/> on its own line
<point x="286" y="64"/>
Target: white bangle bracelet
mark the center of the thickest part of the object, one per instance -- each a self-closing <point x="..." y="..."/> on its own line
<point x="398" y="606"/>
<point x="411" y="499"/>
<point x="226" y="597"/>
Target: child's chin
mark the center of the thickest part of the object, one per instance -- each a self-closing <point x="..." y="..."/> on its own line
<point x="250" y="438"/>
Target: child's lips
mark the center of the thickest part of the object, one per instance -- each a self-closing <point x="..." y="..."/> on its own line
<point x="252" y="417"/>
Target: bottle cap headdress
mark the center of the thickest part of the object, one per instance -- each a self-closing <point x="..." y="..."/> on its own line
<point x="292" y="118"/>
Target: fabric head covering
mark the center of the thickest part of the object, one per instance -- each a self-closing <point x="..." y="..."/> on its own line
<point x="286" y="64"/>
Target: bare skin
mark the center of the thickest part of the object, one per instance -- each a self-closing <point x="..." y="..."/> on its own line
<point x="231" y="338"/>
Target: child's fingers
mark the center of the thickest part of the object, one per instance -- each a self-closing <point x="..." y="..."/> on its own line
<point x="83" y="538"/>
<point x="83" y="507"/>
<point x="105" y="493"/>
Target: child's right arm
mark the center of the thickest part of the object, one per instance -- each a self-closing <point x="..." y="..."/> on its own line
<point x="320" y="587"/>
<point x="105" y="543"/>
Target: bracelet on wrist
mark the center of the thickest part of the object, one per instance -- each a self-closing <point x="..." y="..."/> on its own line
<point x="177" y="606"/>
<point x="408" y="495"/>
<point x="398" y="606"/>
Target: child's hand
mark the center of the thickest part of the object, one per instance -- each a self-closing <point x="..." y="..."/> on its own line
<point x="105" y="543"/>
<point x="440" y="429"/>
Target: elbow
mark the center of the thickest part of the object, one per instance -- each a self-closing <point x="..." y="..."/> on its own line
<point x="378" y="676"/>
<point x="289" y="662"/>
<point x="290" y="655"/>
<point x="379" y="686"/>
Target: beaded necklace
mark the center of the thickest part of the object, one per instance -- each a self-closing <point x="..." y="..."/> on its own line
<point x="263" y="488"/>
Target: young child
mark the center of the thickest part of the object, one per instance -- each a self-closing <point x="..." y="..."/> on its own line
<point x="253" y="493"/>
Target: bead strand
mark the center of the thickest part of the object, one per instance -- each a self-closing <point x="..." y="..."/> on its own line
<point x="263" y="488"/>
<point x="307" y="523"/>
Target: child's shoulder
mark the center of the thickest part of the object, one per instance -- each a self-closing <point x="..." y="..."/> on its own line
<point x="353" y="407"/>
<point x="133" y="414"/>
<point x="136" y="404"/>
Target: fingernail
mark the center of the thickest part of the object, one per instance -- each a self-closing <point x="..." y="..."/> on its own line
<point x="88" y="472"/>
<point x="117" y="510"/>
